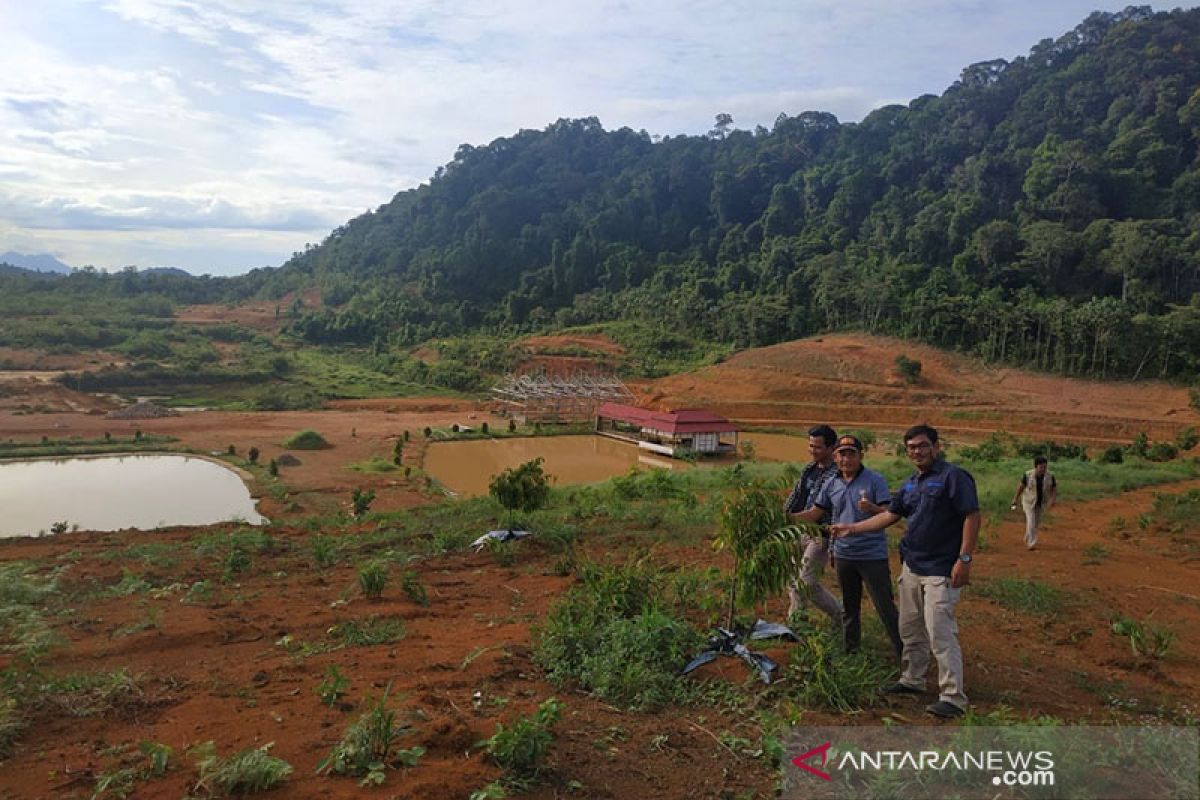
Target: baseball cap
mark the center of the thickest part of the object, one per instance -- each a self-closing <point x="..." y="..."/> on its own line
<point x="848" y="443"/>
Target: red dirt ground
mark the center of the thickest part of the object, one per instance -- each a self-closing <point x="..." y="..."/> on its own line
<point x="215" y="671"/>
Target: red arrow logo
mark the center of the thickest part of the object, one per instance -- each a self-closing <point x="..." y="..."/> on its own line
<point x="824" y="751"/>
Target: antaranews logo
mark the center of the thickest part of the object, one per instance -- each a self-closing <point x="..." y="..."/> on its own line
<point x="821" y="750"/>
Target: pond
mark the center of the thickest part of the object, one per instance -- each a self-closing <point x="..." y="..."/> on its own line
<point x="466" y="468"/>
<point x="116" y="492"/>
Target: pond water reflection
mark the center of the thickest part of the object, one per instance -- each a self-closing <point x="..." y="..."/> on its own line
<point x="467" y="467"/>
<point x="116" y="492"/>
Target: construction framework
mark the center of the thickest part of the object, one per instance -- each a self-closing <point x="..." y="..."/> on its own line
<point x="540" y="398"/>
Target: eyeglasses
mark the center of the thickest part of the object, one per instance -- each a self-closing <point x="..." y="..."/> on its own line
<point x="920" y="447"/>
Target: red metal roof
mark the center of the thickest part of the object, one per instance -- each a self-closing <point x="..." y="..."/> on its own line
<point x="685" y="420"/>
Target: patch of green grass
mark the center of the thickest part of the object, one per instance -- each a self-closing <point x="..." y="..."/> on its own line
<point x="84" y="694"/>
<point x="245" y="772"/>
<point x="24" y="597"/>
<point x="368" y="747"/>
<point x="1095" y="553"/>
<point x="374" y="465"/>
<point x="821" y="675"/>
<point x="1024" y="595"/>
<point x="373" y="578"/>
<point x="161" y="555"/>
<point x="371" y="631"/>
<point x="1146" y="640"/>
<point x="12" y="723"/>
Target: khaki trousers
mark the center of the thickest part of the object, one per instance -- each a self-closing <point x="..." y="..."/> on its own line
<point x="1033" y="515"/>
<point x="816" y="555"/>
<point x="927" y="626"/>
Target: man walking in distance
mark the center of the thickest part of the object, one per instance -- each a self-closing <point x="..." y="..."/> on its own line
<point x="942" y="509"/>
<point x="815" y="549"/>
<point x="853" y="495"/>
<point x="1037" y="490"/>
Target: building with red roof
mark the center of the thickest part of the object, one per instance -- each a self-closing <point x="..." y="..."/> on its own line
<point x="667" y="432"/>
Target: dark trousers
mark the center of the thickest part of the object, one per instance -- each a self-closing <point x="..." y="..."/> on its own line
<point x="877" y="576"/>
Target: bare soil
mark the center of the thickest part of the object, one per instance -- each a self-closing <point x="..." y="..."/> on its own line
<point x="222" y="670"/>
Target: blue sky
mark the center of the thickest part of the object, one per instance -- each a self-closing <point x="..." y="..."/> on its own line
<point x="222" y="135"/>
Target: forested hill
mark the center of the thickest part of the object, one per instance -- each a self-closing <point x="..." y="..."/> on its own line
<point x="1042" y="211"/>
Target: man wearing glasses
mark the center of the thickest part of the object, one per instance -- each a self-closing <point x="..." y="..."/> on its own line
<point x="942" y="508"/>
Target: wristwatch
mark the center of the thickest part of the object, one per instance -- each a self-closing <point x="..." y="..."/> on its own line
<point x="965" y="558"/>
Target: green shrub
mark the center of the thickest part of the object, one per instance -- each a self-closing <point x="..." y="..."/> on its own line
<point x="605" y="635"/>
<point x="1112" y="455"/>
<point x="248" y="771"/>
<point x="1187" y="438"/>
<point x="909" y="368"/>
<point x="1051" y="450"/>
<point x="372" y="578"/>
<point x="521" y="747"/>
<point x="367" y="747"/>
<point x="637" y="660"/>
<point x="1161" y="451"/>
<point x="252" y="455"/>
<point x="306" y="440"/>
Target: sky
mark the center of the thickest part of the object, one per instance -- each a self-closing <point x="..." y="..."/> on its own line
<point x="218" y="136"/>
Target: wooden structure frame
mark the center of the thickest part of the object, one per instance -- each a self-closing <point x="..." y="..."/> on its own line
<point x="539" y="398"/>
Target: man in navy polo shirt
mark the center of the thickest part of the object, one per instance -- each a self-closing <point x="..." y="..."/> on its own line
<point x="853" y="495"/>
<point x="942" y="508"/>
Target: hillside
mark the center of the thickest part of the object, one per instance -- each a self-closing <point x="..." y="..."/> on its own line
<point x="1040" y="211"/>
<point x="851" y="379"/>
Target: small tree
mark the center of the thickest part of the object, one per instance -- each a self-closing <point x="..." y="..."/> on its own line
<point x="361" y="501"/>
<point x="428" y="432"/>
<point x="512" y="426"/>
<point x="406" y="434"/>
<point x="231" y="450"/>
<point x="454" y="428"/>
<point x="909" y="368"/>
<point x="252" y="455"/>
<point x="522" y="488"/>
<point x="754" y="528"/>
<point x="484" y="427"/>
<point x="273" y="468"/>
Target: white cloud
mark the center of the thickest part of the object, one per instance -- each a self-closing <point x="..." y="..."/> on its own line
<point x="250" y="118"/>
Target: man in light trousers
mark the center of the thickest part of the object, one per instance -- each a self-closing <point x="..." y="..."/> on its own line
<point x="815" y="549"/>
<point x="942" y="508"/>
<point x="1038" y="490"/>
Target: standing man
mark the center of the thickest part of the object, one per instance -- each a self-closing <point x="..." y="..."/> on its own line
<point x="855" y="494"/>
<point x="942" y="509"/>
<point x="1038" y="490"/>
<point x="815" y="549"/>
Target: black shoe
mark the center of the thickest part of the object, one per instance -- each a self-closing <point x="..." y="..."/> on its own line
<point x="944" y="710"/>
<point x="902" y="688"/>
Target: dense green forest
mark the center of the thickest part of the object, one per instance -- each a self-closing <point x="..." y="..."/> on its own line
<point x="1042" y="212"/>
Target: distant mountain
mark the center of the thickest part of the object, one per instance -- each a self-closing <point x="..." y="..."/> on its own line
<point x="41" y="262"/>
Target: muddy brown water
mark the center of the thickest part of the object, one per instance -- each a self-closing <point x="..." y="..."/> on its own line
<point x="466" y="468"/>
<point x="117" y="492"/>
